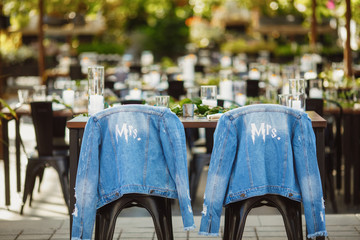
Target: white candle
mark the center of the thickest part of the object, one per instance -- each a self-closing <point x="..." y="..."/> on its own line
<point x="189" y="68"/>
<point x="310" y="75"/>
<point x="240" y="99"/>
<point x="254" y="74"/>
<point x="296" y="104"/>
<point x="240" y="66"/>
<point x="135" y="93"/>
<point x="274" y="80"/>
<point x="69" y="97"/>
<point x="96" y="104"/>
<point x="338" y="75"/>
<point x="225" y="61"/>
<point x="226" y="90"/>
<point x="147" y="58"/>
<point x="155" y="78"/>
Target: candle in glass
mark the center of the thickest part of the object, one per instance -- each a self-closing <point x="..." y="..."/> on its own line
<point x="96" y="89"/>
<point x="226" y="89"/>
<point x="69" y="97"/>
<point x="209" y="95"/>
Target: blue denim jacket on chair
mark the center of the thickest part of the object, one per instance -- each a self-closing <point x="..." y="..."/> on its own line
<point x="264" y="149"/>
<point x="130" y="149"/>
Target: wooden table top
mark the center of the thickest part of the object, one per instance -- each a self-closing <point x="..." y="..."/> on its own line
<point x="80" y="122"/>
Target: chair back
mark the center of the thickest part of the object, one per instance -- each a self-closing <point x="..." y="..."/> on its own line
<point x="127" y="102"/>
<point x="315" y="104"/>
<point x="42" y="117"/>
<point x="176" y="89"/>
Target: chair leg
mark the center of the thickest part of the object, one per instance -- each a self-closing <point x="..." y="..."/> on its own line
<point x="32" y="169"/>
<point x="106" y="218"/>
<point x="160" y="210"/>
<point x="40" y="174"/>
<point x="236" y="214"/>
<point x="61" y="166"/>
<point x="235" y="218"/>
<point x="291" y="213"/>
<point x="329" y="184"/>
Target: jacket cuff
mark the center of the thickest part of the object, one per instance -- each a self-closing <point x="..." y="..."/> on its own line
<point x="190" y="228"/>
<point x="317" y="234"/>
<point x="209" y="234"/>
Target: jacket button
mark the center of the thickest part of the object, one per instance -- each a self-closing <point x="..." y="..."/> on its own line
<point x="290" y="194"/>
<point x="242" y="195"/>
<point x="117" y="194"/>
<point x="152" y="191"/>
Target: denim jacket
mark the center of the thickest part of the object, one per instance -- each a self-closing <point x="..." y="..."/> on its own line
<point x="264" y="149"/>
<point x="130" y="149"/>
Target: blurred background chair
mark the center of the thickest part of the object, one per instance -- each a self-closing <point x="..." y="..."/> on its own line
<point x="45" y="154"/>
<point x="333" y="149"/>
<point x="126" y="102"/>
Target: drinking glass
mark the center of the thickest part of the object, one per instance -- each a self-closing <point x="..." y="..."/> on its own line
<point x="162" y="101"/>
<point x="295" y="101"/>
<point x="96" y="89"/>
<point x="285" y="99"/>
<point x="23" y="95"/>
<point x="188" y="110"/>
<point x="209" y="95"/>
<point x="298" y="101"/>
<point x="296" y="86"/>
<point x="39" y="93"/>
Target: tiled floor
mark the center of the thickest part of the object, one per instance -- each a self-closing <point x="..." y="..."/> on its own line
<point x="48" y="219"/>
<point x="340" y="227"/>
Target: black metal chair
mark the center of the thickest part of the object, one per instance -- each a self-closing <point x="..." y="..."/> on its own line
<point x="127" y="102"/>
<point x="332" y="142"/>
<point x="46" y="154"/>
<point x="333" y="150"/>
<point x="315" y="104"/>
<point x="158" y="207"/>
<point x="236" y="213"/>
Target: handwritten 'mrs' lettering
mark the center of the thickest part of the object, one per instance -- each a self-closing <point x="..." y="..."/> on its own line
<point x="263" y="131"/>
<point x="126" y="131"/>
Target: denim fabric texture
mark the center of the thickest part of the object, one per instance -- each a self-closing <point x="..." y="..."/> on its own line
<point x="130" y="149"/>
<point x="264" y="149"/>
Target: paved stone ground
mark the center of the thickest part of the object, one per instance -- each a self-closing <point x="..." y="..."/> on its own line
<point x="266" y="227"/>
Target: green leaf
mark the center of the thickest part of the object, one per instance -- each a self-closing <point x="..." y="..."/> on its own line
<point x="12" y="111"/>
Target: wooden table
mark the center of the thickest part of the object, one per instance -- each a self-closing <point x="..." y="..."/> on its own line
<point x="77" y="125"/>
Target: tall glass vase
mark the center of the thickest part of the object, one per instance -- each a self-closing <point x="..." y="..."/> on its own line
<point x="96" y="89"/>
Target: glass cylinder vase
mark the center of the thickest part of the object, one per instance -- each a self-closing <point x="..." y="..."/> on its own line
<point x="96" y="89"/>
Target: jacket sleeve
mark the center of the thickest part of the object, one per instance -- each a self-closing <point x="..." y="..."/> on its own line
<point x="222" y="159"/>
<point x="172" y="136"/>
<point x="307" y="171"/>
<point x="86" y="183"/>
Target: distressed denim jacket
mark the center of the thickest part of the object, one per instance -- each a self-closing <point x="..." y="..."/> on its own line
<point x="130" y="149"/>
<point x="264" y="149"/>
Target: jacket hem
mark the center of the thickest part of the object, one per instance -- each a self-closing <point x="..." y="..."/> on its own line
<point x="209" y="234"/>
<point x="260" y="191"/>
<point x="190" y="228"/>
<point x="151" y="191"/>
<point x="317" y="234"/>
